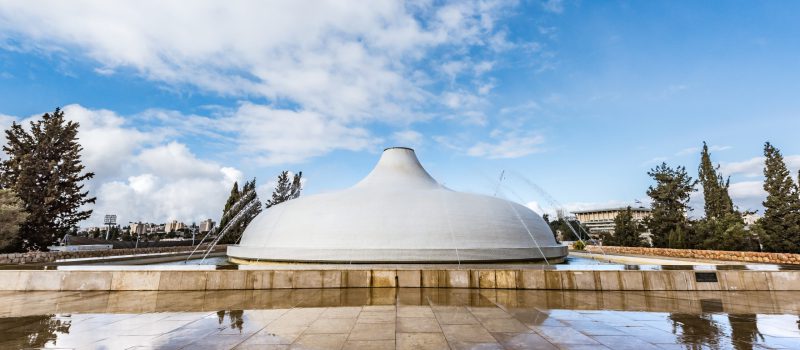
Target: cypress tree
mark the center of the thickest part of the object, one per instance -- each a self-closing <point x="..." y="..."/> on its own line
<point x="297" y="185"/>
<point x="232" y="199"/>
<point x="780" y="226"/>
<point x="247" y="195"/>
<point x="282" y="192"/>
<point x="667" y="222"/>
<point x="718" y="201"/>
<point x="722" y="228"/>
<point x="45" y="170"/>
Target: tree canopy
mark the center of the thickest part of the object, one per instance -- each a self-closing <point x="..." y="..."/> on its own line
<point x="668" y="223"/>
<point x="45" y="170"/>
<point x="780" y="226"/>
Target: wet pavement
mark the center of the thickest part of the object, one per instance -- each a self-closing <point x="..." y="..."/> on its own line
<point x="387" y="318"/>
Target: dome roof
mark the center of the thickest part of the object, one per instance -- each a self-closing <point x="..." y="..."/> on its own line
<point x="398" y="213"/>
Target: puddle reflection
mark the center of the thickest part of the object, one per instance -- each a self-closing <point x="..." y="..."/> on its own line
<point x="402" y="318"/>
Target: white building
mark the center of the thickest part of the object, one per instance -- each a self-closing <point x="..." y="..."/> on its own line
<point x="398" y="213"/>
<point x="206" y="225"/>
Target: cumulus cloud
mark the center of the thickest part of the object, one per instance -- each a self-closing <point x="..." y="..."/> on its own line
<point x="144" y="175"/>
<point x="508" y="145"/>
<point x="283" y="136"/>
<point x="344" y="61"/>
<point x="754" y="167"/>
<point x="409" y="138"/>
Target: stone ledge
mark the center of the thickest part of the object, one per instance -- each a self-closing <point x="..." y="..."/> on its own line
<point x="667" y="280"/>
<point x="49" y="257"/>
<point x="724" y="255"/>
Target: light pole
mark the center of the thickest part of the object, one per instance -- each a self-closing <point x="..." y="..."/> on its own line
<point x="109" y="220"/>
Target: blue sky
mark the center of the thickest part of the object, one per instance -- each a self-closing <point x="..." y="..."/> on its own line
<point x="578" y="97"/>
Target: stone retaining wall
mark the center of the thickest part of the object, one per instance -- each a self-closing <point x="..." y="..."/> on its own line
<point x="757" y="257"/>
<point x="194" y="280"/>
<point x="47" y="257"/>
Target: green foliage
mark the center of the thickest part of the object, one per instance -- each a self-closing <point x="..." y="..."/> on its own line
<point x="12" y="215"/>
<point x="722" y="228"/>
<point x="565" y="229"/>
<point x="45" y="170"/>
<point x="285" y="188"/>
<point x="546" y="218"/>
<point x="670" y="202"/>
<point x="627" y="231"/>
<point x="578" y="245"/>
<point x="780" y="226"/>
<point x="718" y="203"/>
<point x="726" y="233"/>
<point x="237" y="202"/>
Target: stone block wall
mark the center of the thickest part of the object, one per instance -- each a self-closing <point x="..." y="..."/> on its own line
<point x="534" y="279"/>
<point x="745" y="257"/>
<point x="48" y="257"/>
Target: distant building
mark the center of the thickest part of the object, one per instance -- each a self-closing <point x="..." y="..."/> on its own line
<point x="173" y="226"/>
<point x="206" y="225"/>
<point x="602" y="220"/>
<point x="750" y="218"/>
<point x="138" y="229"/>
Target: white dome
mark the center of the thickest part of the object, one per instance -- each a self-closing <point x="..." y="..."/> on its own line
<point x="398" y="213"/>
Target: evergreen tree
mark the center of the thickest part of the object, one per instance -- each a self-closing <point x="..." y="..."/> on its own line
<point x="12" y="215"/>
<point x="283" y="190"/>
<point x="726" y="233"/>
<point x="45" y="170"/>
<point x="226" y="212"/>
<point x="667" y="222"/>
<point x="248" y="195"/>
<point x="780" y="226"/>
<point x="627" y="231"/>
<point x="546" y="218"/>
<point x="718" y="202"/>
<point x="722" y="228"/>
<point x="297" y="185"/>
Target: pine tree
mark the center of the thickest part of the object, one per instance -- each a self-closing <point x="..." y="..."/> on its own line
<point x="718" y="201"/>
<point x="12" y="215"/>
<point x="282" y="192"/>
<point x="226" y="212"/>
<point x="45" y="170"/>
<point x="252" y="207"/>
<point x="780" y="226"/>
<point x="627" y="231"/>
<point x="722" y="228"/>
<point x="297" y="185"/>
<point x="667" y="222"/>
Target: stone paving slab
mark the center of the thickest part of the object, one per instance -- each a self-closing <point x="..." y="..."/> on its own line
<point x="385" y="319"/>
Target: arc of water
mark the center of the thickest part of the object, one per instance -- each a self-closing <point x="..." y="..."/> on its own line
<point x="498" y="190"/>
<point x="233" y="222"/>
<point x="553" y="202"/>
<point x="511" y="205"/>
<point x="449" y="225"/>
<point x="245" y="199"/>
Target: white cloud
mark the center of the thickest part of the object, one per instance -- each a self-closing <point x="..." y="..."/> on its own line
<point x="409" y="138"/>
<point x="748" y="195"/>
<point x="143" y="175"/>
<point x="754" y="167"/>
<point x="508" y="145"/>
<point x="554" y="6"/>
<point x="283" y="136"/>
<point x="696" y="150"/>
<point x="352" y="63"/>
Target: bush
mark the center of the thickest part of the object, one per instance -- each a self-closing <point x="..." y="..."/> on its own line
<point x="578" y="245"/>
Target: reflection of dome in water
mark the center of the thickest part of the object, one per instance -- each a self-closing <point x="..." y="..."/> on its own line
<point x="398" y="213"/>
